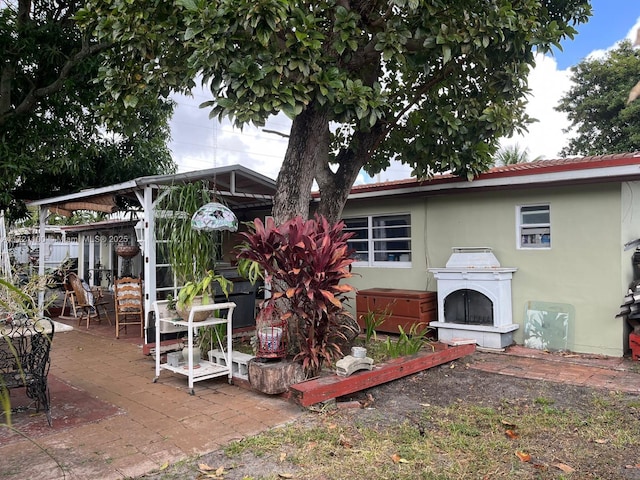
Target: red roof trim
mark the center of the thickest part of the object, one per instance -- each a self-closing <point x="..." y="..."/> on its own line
<point x="539" y="167"/>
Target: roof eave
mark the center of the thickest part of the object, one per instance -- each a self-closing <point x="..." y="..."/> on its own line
<point x="141" y="182"/>
<point x="93" y="192"/>
<point x="452" y="184"/>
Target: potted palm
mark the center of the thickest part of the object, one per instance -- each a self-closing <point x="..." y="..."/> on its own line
<point x="191" y="253"/>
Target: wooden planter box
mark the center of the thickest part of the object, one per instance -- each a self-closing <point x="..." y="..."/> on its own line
<point x="407" y="307"/>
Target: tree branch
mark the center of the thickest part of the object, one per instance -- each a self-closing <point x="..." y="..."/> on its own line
<point x="285" y="135"/>
<point x="6" y="77"/>
<point x="414" y="101"/>
<point x="35" y="94"/>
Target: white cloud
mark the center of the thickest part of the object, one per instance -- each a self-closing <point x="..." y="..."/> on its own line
<point x="633" y="31"/>
<point x="548" y="85"/>
<point x="545" y="138"/>
<point x="199" y="142"/>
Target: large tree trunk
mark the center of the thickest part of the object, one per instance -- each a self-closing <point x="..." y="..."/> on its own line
<point x="307" y="158"/>
<point x="336" y="186"/>
<point x="308" y="142"/>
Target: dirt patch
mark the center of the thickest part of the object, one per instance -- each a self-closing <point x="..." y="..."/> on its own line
<point x="428" y="404"/>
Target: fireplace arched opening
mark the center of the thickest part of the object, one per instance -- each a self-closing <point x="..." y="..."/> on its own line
<point x="468" y="307"/>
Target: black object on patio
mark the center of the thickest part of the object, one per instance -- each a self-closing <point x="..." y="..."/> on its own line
<point x="25" y="345"/>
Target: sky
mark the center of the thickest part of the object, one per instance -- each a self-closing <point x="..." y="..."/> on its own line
<point x="199" y="143"/>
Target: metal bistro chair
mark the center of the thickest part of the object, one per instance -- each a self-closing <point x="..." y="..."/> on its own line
<point x="25" y="345"/>
<point x="89" y="303"/>
<point x="128" y="304"/>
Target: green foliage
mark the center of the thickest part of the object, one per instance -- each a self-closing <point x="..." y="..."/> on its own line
<point x="202" y="287"/>
<point x="53" y="141"/>
<point x="189" y="251"/>
<point x="171" y="302"/>
<point x="192" y="254"/>
<point x="249" y="270"/>
<point x="601" y="121"/>
<point x="512" y="155"/>
<point x="210" y="336"/>
<point x="432" y="84"/>
<point x="21" y="301"/>
<point x="407" y="343"/>
<point x="372" y="320"/>
<point x="306" y="260"/>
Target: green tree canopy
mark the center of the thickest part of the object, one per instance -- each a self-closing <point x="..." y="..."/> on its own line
<point x="53" y="138"/>
<point x="596" y="104"/>
<point x="432" y="83"/>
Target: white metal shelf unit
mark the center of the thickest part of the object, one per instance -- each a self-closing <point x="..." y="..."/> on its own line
<point x="207" y="369"/>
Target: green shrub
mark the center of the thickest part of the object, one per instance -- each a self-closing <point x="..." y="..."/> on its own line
<point x="407" y="343"/>
<point x="372" y="320"/>
<point x="305" y="261"/>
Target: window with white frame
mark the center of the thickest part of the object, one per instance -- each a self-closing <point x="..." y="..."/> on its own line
<point x="534" y="226"/>
<point x="381" y="240"/>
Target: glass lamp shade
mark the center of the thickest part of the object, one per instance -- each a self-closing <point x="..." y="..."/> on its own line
<point x="214" y="217"/>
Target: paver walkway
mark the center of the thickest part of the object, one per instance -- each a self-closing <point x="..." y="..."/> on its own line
<point x="132" y="426"/>
<point x="616" y="374"/>
<point x="150" y="423"/>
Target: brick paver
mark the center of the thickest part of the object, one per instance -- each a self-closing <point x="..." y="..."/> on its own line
<point x="611" y="374"/>
<point x="157" y="422"/>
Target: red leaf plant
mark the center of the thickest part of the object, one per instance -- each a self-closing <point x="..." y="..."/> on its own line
<point x="304" y="261"/>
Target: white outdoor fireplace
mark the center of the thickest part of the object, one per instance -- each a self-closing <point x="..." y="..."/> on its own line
<point x="474" y="298"/>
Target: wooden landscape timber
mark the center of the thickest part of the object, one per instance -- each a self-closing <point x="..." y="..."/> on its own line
<point x="333" y="386"/>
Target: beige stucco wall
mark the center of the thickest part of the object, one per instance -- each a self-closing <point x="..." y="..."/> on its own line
<point x="584" y="267"/>
<point x="414" y="278"/>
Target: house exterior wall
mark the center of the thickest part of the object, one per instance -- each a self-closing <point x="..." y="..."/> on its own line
<point x="413" y="278"/>
<point x="584" y="268"/>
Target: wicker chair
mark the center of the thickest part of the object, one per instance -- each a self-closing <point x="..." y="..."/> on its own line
<point x="88" y="302"/>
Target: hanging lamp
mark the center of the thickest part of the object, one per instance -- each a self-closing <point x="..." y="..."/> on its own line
<point x="214" y="217"/>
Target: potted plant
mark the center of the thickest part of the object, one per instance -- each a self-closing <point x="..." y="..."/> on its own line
<point x="200" y="292"/>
